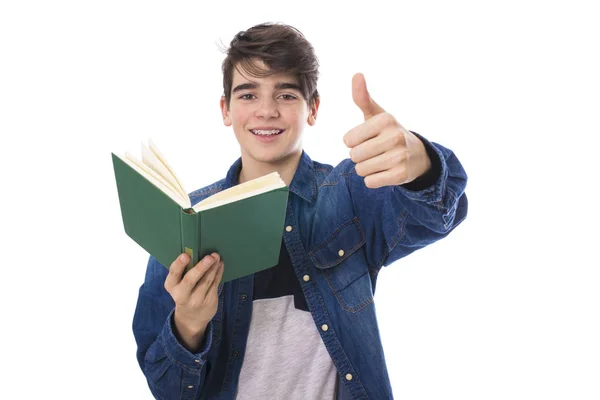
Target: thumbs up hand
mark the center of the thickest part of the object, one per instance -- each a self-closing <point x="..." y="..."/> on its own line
<point x="384" y="152"/>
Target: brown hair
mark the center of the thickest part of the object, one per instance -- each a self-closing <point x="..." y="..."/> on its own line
<point x="282" y="48"/>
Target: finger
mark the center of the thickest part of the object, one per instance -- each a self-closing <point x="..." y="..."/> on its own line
<point x="213" y="290"/>
<point x="394" y="176"/>
<point x="218" y="277"/>
<point x="194" y="275"/>
<point x="375" y="146"/>
<point x="368" y="129"/>
<point x="207" y="280"/>
<point x="362" y="98"/>
<point x="220" y="274"/>
<point x="176" y="271"/>
<point x="388" y="160"/>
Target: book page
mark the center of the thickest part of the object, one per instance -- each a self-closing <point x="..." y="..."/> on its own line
<point x="163" y="160"/>
<point x="251" y="188"/>
<point x="155" y="179"/>
<point x="152" y="161"/>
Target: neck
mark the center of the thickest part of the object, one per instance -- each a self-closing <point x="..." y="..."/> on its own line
<point x="286" y="167"/>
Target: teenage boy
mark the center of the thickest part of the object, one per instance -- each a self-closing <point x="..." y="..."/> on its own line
<point x="306" y="328"/>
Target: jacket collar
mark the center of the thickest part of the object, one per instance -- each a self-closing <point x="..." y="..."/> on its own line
<point x="303" y="183"/>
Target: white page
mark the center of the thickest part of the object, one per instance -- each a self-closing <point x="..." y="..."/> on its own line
<point x="163" y="161"/>
<point x="156" y="180"/>
<point x="157" y="165"/>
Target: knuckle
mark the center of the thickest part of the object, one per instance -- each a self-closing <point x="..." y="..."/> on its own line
<point x="169" y="281"/>
<point x="399" y="157"/>
<point x="176" y="297"/>
<point x="187" y="281"/>
<point x="387" y="118"/>
<point x="402" y="137"/>
<point x="397" y="139"/>
<point x="175" y="270"/>
<point x="400" y="174"/>
<point x="209" y="280"/>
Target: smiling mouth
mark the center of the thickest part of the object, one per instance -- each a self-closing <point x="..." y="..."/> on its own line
<point x="270" y="132"/>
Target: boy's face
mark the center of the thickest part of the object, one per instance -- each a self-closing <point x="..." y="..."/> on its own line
<point x="268" y="115"/>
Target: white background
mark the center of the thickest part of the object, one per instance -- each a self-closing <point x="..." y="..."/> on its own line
<point x="506" y="307"/>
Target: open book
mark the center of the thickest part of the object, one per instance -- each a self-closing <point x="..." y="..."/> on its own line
<point x="244" y="223"/>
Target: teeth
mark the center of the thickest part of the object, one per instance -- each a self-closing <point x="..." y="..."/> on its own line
<point x="266" y="133"/>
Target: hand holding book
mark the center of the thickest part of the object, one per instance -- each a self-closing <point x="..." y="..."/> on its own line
<point x="195" y="296"/>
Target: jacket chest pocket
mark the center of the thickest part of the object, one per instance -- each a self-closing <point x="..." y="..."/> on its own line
<point x="342" y="260"/>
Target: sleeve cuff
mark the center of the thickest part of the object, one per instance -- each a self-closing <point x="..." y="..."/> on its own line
<point x="182" y="356"/>
<point x="428" y="188"/>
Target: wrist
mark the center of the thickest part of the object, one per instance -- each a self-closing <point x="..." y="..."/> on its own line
<point x="189" y="335"/>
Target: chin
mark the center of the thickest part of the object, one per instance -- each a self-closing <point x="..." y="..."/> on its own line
<point x="271" y="156"/>
<point x="268" y="158"/>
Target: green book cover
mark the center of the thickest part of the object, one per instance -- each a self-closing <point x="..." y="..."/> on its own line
<point x="243" y="224"/>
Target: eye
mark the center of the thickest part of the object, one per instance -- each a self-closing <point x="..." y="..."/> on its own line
<point x="288" y="97"/>
<point x="247" y="96"/>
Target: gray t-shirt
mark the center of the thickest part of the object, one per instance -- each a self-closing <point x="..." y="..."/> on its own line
<point x="285" y="356"/>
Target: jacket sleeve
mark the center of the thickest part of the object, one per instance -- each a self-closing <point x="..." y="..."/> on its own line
<point x="401" y="219"/>
<point x="172" y="372"/>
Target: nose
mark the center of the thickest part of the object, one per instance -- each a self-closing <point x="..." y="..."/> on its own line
<point x="267" y="108"/>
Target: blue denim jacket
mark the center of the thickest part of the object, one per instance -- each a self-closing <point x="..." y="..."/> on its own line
<point x="342" y="234"/>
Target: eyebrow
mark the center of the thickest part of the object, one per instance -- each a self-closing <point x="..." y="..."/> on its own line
<point x="278" y="86"/>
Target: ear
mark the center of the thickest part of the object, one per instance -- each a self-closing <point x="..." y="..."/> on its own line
<point x="225" y="111"/>
<point x="312" y="112"/>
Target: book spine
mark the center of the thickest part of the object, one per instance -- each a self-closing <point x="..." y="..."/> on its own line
<point x="190" y="237"/>
<point x="203" y="241"/>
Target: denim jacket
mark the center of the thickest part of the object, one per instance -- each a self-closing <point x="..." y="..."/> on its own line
<point x="339" y="234"/>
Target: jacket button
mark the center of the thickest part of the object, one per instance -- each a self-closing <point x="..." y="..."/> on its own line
<point x="348" y="377"/>
<point x="306" y="278"/>
<point x="236" y="354"/>
<point x="324" y="327"/>
<point x="244" y="297"/>
<point x="288" y="228"/>
<point x="341" y="253"/>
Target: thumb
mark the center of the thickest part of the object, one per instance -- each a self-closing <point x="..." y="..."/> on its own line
<point x="362" y="98"/>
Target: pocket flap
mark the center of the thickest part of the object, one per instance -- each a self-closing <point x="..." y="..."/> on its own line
<point x="348" y="238"/>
